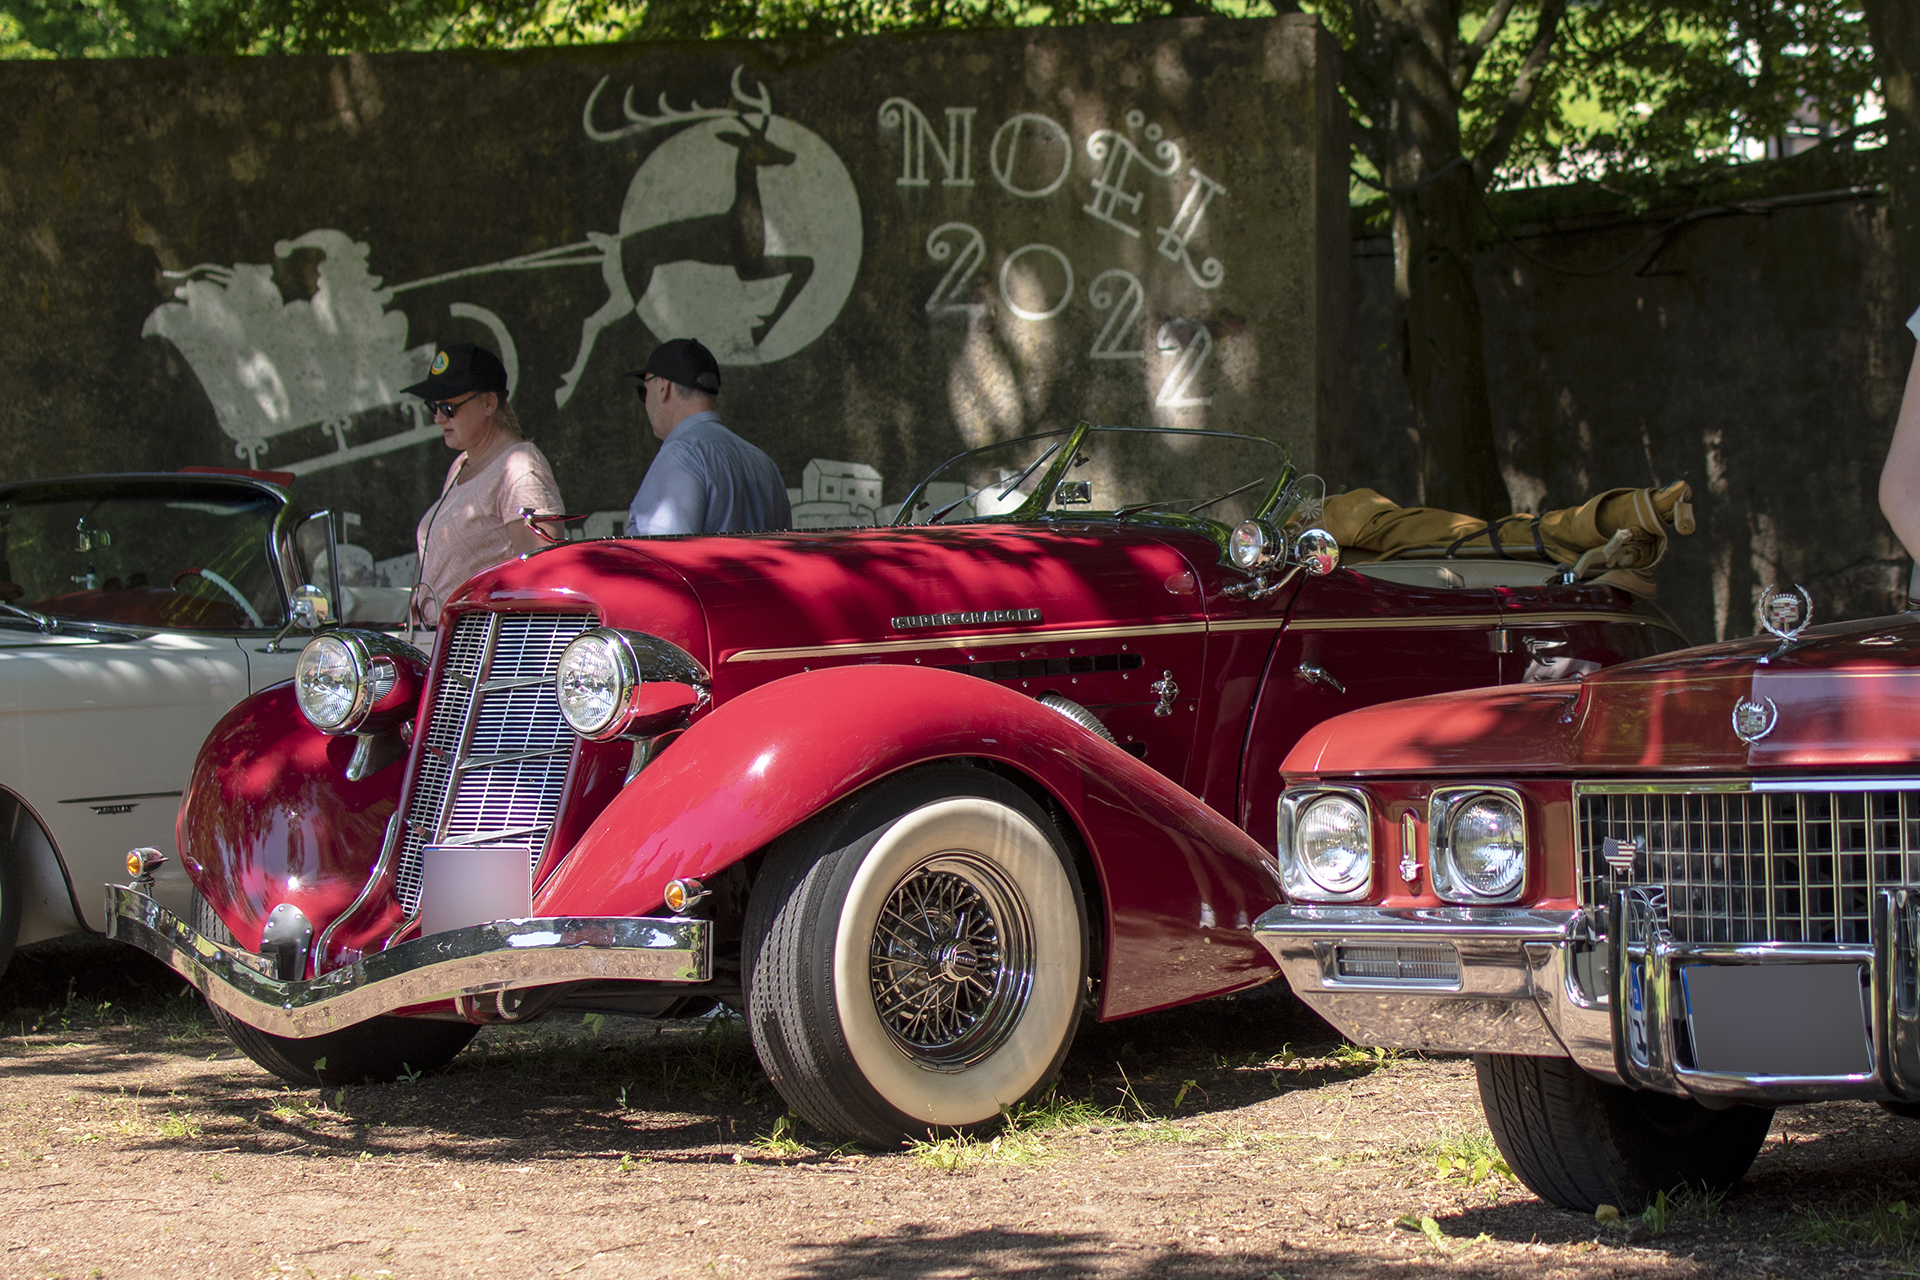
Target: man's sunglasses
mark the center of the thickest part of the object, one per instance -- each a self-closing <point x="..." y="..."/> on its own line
<point x="447" y="408"/>
<point x="646" y="380"/>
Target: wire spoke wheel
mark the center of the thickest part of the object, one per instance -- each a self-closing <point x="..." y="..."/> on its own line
<point x="951" y="961"/>
<point x="916" y="959"/>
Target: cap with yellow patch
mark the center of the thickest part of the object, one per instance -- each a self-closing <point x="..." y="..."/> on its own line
<point x="458" y="369"/>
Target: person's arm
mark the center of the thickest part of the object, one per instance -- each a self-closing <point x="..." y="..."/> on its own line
<point x="1900" y="477"/>
<point x="672" y="498"/>
<point x="529" y="483"/>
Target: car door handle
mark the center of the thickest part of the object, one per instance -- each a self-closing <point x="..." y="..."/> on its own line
<point x="1313" y="674"/>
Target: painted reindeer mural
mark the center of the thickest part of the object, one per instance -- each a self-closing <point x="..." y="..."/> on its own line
<point x="735" y="237"/>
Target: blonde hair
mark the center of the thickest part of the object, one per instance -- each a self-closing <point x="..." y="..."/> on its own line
<point x="504" y="414"/>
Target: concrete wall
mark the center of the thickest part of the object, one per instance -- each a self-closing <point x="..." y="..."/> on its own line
<point x="1759" y="357"/>
<point x="240" y="262"/>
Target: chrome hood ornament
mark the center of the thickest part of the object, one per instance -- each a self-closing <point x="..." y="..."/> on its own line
<point x="1784" y="613"/>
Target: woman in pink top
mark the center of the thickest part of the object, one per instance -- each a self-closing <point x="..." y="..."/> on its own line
<point x="476" y="523"/>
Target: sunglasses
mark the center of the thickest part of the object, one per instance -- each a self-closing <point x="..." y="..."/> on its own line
<point x="447" y="408"/>
<point x="646" y="380"/>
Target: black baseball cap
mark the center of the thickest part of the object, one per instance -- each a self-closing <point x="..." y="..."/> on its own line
<point x="458" y="369"/>
<point x="685" y="361"/>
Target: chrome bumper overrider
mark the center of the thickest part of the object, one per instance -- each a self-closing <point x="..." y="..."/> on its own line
<point x="483" y="959"/>
<point x="1565" y="984"/>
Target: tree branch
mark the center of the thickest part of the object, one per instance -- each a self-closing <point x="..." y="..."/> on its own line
<point x="1469" y="57"/>
<point x="1526" y="83"/>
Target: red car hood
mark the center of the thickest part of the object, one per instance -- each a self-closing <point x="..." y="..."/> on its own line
<point x="1843" y="696"/>
<point x="841" y="587"/>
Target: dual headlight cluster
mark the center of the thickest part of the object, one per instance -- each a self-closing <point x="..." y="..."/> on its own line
<point x="1477" y="840"/>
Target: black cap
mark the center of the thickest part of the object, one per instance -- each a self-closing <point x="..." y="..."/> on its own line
<point x="685" y="361"/>
<point x="458" y="369"/>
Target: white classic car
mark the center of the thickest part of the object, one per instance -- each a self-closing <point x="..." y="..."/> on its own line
<point x="135" y="610"/>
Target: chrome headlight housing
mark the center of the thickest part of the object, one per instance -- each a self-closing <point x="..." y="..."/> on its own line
<point x="1253" y="545"/>
<point x="357" y="681"/>
<point x="613" y="683"/>
<point x="1479" y="844"/>
<point x="1326" y="845"/>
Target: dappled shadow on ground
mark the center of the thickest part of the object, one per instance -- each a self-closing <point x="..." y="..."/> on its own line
<point x="921" y="1251"/>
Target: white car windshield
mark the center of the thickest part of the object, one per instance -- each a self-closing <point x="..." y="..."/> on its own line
<point x="181" y="555"/>
<point x="1114" y="470"/>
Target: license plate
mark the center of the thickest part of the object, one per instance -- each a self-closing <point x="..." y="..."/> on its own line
<point x="463" y="885"/>
<point x="1778" y="1019"/>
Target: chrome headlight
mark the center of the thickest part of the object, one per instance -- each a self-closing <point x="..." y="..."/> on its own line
<point x="614" y="682"/>
<point x="1326" y="846"/>
<point x="1479" y="839"/>
<point x="1252" y="545"/>
<point x="343" y="678"/>
<point x="595" y="679"/>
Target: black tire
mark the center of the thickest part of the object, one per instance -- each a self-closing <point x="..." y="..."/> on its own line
<point x="369" y="1052"/>
<point x="982" y="974"/>
<point x="1580" y="1143"/>
<point x="12" y="877"/>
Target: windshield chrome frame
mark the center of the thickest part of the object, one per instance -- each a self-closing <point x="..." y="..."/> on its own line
<point x="1035" y="509"/>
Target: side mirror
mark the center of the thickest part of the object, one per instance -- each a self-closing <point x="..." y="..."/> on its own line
<point x="1316" y="552"/>
<point x="311" y="608"/>
<point x="1074" y="493"/>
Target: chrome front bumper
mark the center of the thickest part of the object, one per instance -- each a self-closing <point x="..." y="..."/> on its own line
<point x="1563" y="984"/>
<point x="482" y="960"/>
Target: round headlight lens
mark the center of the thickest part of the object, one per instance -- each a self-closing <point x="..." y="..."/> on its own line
<point x="592" y="682"/>
<point x="1333" y="844"/>
<point x="1487" y="844"/>
<point x="327" y="682"/>
<point x="1247" y="545"/>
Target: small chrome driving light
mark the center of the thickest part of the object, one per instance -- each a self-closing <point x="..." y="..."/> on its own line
<point x="1326" y="845"/>
<point x="1252" y="545"/>
<point x="1479" y="839"/>
<point x="357" y="681"/>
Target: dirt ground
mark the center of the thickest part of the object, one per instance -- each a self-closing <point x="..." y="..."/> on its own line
<point x="1235" y="1138"/>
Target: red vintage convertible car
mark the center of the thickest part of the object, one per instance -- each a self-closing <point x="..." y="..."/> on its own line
<point x="913" y="797"/>
<point x="1655" y="903"/>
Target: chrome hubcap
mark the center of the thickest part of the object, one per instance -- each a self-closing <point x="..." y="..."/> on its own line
<point x="951" y="962"/>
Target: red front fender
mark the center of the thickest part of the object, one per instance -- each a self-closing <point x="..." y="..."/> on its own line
<point x="270" y="817"/>
<point x="1181" y="884"/>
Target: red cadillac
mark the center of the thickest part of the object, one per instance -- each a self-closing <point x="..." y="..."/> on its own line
<point x="1655" y="903"/>
<point x="912" y="797"/>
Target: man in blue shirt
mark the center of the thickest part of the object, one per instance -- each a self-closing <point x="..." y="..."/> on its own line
<point x="706" y="479"/>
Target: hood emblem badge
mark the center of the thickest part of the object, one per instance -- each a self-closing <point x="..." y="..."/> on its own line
<point x="1620" y="853"/>
<point x="1754" y="718"/>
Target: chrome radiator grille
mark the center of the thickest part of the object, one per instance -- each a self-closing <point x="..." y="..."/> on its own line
<point x="1744" y="866"/>
<point x="497" y="747"/>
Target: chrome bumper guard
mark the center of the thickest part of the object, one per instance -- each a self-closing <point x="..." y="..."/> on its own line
<point x="1617" y="1001"/>
<point x="486" y="959"/>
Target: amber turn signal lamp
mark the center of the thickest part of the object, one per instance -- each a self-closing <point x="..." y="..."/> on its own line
<point x="682" y="894"/>
<point x="141" y="862"/>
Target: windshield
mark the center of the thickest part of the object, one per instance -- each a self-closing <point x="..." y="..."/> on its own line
<point x="185" y="556"/>
<point x="1115" y="470"/>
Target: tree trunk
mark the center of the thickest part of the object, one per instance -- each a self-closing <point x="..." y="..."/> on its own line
<point x="1435" y="203"/>
<point x="1896" y="54"/>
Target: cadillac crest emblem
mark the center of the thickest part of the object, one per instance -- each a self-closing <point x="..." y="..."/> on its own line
<point x="1784" y="611"/>
<point x="1754" y="718"/>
